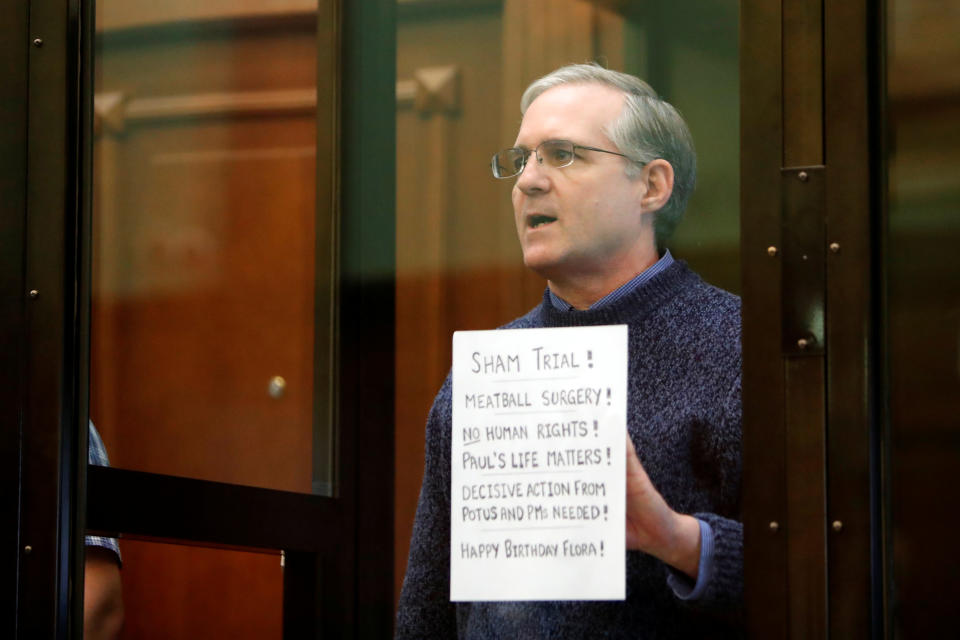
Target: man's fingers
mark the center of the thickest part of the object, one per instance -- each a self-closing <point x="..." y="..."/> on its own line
<point x="634" y="466"/>
<point x="631" y="450"/>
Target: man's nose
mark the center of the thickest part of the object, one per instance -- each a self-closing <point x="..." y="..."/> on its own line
<point x="533" y="178"/>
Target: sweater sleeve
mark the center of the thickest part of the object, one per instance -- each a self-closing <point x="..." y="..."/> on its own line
<point x="425" y="610"/>
<point x="723" y="589"/>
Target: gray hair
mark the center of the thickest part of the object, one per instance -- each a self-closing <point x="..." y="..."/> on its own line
<point x="648" y="128"/>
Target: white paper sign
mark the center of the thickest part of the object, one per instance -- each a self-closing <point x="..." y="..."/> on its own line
<point x="538" y="464"/>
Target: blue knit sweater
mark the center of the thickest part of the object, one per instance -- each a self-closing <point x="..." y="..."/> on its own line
<point x="684" y="417"/>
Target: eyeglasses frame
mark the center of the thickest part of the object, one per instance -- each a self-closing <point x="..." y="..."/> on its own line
<point x="536" y="152"/>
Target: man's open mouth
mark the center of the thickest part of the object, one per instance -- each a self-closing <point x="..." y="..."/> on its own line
<point x="537" y="220"/>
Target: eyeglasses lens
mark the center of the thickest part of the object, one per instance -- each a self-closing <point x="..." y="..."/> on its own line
<point x="508" y="163"/>
<point x="556" y="153"/>
<point x="553" y="153"/>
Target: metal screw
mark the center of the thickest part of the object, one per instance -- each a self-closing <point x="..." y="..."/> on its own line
<point x="837" y="526"/>
<point x="38" y="42"/>
<point x="803" y="343"/>
<point x="34" y="294"/>
<point x="28" y="549"/>
<point x="834" y="247"/>
<point x="771" y="251"/>
<point x="803" y="176"/>
<point x="774" y="526"/>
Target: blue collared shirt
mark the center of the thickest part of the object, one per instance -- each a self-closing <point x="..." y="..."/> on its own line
<point x="623" y="290"/>
<point x="97" y="455"/>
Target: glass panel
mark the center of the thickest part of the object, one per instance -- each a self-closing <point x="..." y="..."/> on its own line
<point x="211" y="259"/>
<point x="178" y="591"/>
<point x="694" y="64"/>
<point x="461" y="69"/>
<point x="923" y="336"/>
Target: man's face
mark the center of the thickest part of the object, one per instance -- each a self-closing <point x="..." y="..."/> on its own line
<point x="584" y="220"/>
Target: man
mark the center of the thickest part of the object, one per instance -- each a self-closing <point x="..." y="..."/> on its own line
<point x="102" y="592"/>
<point x="603" y="170"/>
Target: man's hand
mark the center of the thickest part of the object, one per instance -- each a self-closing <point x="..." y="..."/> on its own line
<point x="653" y="527"/>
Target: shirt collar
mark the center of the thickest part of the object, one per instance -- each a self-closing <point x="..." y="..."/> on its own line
<point x="623" y="290"/>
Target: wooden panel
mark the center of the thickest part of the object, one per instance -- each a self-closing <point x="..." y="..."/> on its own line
<point x="806" y="497"/>
<point x="850" y="115"/>
<point x="802" y="82"/>
<point x="803" y="257"/>
<point x="538" y="37"/>
<point x="447" y="218"/>
<point x="212" y="297"/>
<point x="220" y="105"/>
<point x="609" y="38"/>
<point x="140" y="13"/>
<point x="13" y="208"/>
<point x="164" y="580"/>
<point x="424" y="217"/>
<point x="424" y="220"/>
<point x="49" y="381"/>
<point x="204" y="287"/>
<point x="764" y="438"/>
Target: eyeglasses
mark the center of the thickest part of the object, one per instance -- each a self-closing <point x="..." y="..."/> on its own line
<point x="555" y="153"/>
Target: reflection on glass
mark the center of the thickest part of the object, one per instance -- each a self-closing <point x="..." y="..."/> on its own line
<point x="695" y="65"/>
<point x="179" y="591"/>
<point x="461" y="68"/>
<point x="102" y="591"/>
<point x="205" y="227"/>
<point x="923" y="268"/>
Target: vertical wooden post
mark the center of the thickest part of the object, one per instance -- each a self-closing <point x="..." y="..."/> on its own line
<point x="806" y="244"/>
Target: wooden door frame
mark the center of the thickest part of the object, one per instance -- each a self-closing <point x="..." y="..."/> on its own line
<point x="13" y="298"/>
<point x="811" y="176"/>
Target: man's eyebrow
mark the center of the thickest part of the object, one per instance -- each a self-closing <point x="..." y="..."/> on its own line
<point x="545" y="140"/>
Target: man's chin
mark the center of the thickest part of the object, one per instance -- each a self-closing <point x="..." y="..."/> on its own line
<point x="542" y="264"/>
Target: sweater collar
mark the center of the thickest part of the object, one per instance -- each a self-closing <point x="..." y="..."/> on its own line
<point x="643" y="299"/>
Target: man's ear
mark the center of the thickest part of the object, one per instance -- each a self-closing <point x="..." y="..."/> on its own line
<point x="657" y="176"/>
